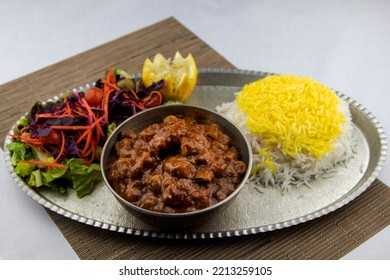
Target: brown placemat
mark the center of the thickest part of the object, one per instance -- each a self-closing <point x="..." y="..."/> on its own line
<point x="328" y="237"/>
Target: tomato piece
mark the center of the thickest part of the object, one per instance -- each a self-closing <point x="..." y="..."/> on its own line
<point x="94" y="96"/>
<point x="54" y="137"/>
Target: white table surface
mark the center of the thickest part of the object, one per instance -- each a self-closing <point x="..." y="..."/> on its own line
<point x="343" y="44"/>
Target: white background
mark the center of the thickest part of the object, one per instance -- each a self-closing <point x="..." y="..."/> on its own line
<point x="343" y="44"/>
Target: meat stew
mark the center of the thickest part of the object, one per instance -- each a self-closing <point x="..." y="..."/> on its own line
<point x="176" y="166"/>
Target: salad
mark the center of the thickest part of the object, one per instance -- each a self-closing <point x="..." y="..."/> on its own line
<point x="57" y="144"/>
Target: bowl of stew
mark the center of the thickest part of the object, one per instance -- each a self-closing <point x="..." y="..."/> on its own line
<point x="175" y="166"/>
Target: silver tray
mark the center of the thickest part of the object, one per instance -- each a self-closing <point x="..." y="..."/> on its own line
<point x="252" y="212"/>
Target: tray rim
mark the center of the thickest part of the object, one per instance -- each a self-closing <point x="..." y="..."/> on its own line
<point x="350" y="196"/>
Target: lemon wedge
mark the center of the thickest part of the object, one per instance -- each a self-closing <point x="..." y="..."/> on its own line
<point x="180" y="74"/>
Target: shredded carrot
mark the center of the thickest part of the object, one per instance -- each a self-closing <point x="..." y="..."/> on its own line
<point x="99" y="131"/>
<point x="89" y="110"/>
<point x="96" y="123"/>
<point x="110" y="79"/>
<point x="44" y="163"/>
<point x="110" y="85"/>
<point x="106" y="99"/>
<point x="53" y="116"/>
<point x="29" y="140"/>
<point x="87" y="143"/>
<point x="68" y="109"/>
<point x="24" y="129"/>
<point x="86" y="137"/>
<point x="35" y="149"/>
<point x="134" y="93"/>
<point x="62" y="147"/>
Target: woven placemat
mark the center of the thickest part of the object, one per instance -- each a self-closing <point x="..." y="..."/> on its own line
<point x="328" y="237"/>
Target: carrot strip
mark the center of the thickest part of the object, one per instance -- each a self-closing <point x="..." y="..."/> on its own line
<point x="31" y="140"/>
<point x="99" y="132"/>
<point x="52" y="116"/>
<point x="111" y="78"/>
<point x="82" y="136"/>
<point x="134" y="93"/>
<point x="87" y="143"/>
<point x="35" y="149"/>
<point x="90" y="143"/>
<point x="62" y="147"/>
<point x="68" y="109"/>
<point x="89" y="110"/>
<point x="110" y="75"/>
<point x="139" y="105"/>
<point x="106" y="99"/>
<point x="66" y="127"/>
<point x="96" y="123"/>
<point x="89" y="137"/>
<point x="24" y="128"/>
<point x="79" y="110"/>
<point x="44" y="163"/>
<point x="109" y="84"/>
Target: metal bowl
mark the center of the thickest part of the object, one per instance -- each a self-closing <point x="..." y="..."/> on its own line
<point x="156" y="115"/>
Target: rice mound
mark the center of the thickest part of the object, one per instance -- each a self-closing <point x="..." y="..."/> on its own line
<point x="298" y="129"/>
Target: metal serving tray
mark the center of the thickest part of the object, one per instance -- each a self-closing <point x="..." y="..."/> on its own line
<point x="253" y="211"/>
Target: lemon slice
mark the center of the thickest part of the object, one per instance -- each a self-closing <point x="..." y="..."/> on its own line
<point x="179" y="73"/>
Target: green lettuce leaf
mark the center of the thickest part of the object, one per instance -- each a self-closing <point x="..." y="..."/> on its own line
<point x="24" y="169"/>
<point x="84" y="177"/>
<point x="35" y="179"/>
<point x="110" y="128"/>
<point x="20" y="151"/>
<point x="52" y="174"/>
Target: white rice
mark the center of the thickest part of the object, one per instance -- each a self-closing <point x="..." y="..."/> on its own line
<point x="293" y="171"/>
